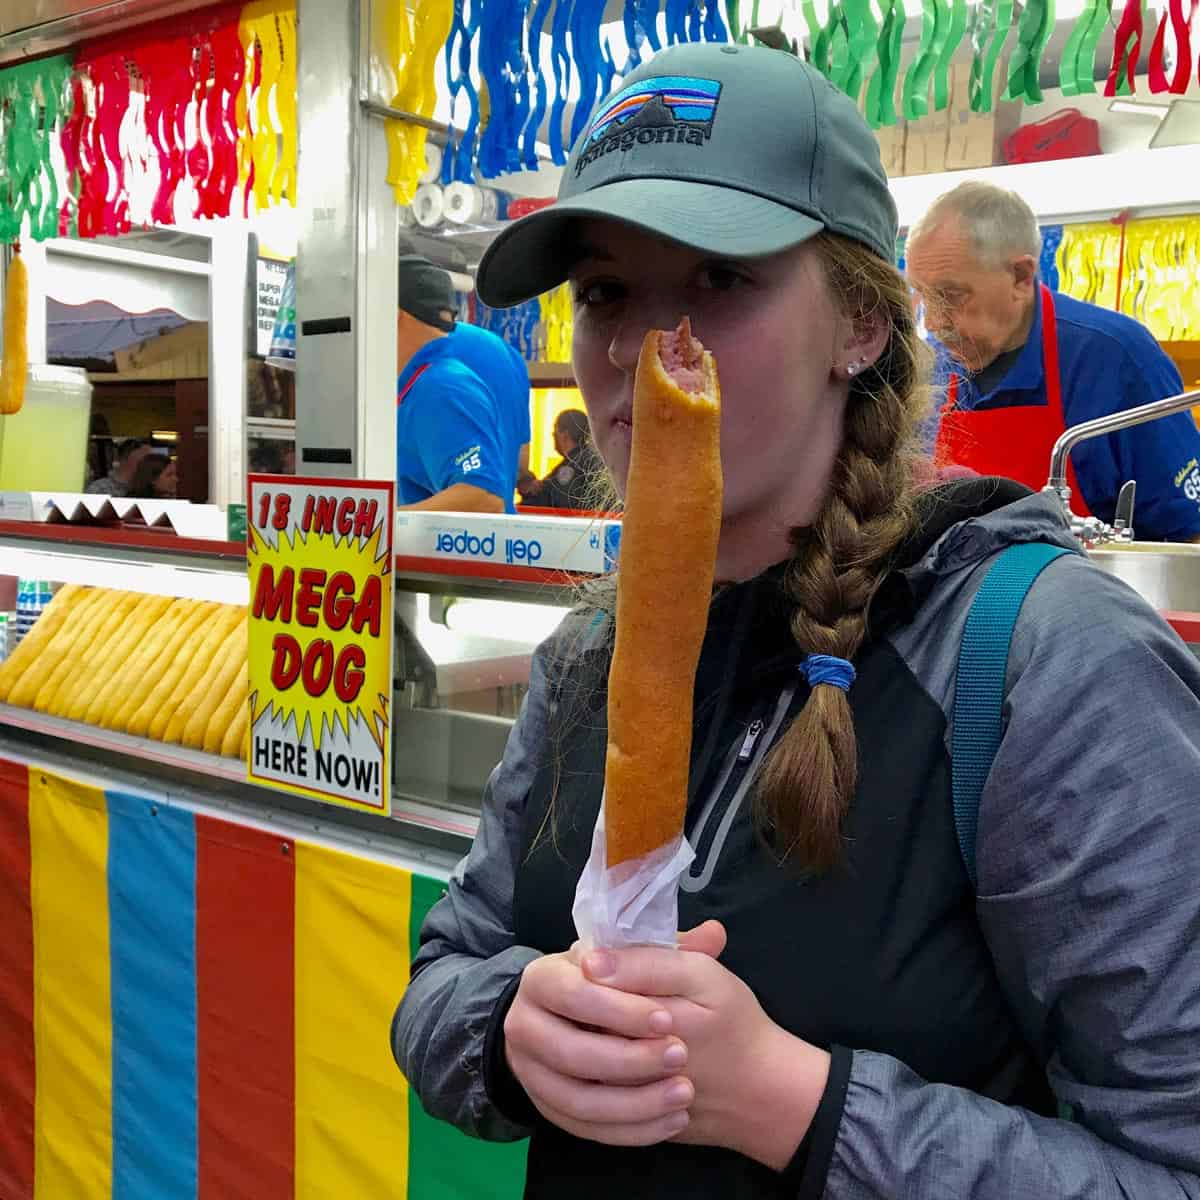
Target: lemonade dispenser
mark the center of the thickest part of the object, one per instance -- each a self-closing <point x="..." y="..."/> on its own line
<point x="44" y="446"/>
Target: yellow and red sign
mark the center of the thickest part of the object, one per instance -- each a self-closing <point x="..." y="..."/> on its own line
<point x="320" y="560"/>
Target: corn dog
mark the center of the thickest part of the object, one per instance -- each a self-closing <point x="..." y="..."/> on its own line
<point x="235" y="735"/>
<point x="664" y="586"/>
<point x="45" y="627"/>
<point x="217" y="686"/>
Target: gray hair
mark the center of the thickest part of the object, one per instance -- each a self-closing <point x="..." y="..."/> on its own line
<point x="998" y="222"/>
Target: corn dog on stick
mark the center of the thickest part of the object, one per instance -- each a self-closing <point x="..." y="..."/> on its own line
<point x="218" y="670"/>
<point x="15" y="365"/>
<point x="199" y="656"/>
<point x="133" y="677"/>
<point x="46" y="626"/>
<point x="137" y="626"/>
<point x="25" y="690"/>
<point x="225" y="714"/>
<point x="87" y="629"/>
<point x="664" y="587"/>
<point x="235" y="735"/>
<point x="88" y="665"/>
<point x="171" y="664"/>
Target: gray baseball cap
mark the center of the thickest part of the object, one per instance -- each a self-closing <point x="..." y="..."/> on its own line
<point x="425" y="292"/>
<point x="739" y="151"/>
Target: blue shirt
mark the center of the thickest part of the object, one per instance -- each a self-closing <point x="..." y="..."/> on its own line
<point x="1107" y="363"/>
<point x="450" y="429"/>
<point x="502" y="370"/>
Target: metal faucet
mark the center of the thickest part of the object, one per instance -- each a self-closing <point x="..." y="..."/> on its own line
<point x="1090" y="530"/>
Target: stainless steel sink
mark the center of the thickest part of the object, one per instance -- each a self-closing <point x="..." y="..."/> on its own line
<point x="1166" y="574"/>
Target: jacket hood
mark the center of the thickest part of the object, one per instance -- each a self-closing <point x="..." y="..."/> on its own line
<point x="962" y="523"/>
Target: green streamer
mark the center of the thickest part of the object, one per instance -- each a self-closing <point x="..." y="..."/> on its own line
<point x="840" y="64"/>
<point x="31" y="97"/>
<point x="881" y="91"/>
<point x="1077" y="70"/>
<point x="1033" y="31"/>
<point x="954" y="37"/>
<point x="991" y="32"/>
<point x="862" y="30"/>
<point x="733" y="19"/>
<point x="935" y="25"/>
<point x="822" y="44"/>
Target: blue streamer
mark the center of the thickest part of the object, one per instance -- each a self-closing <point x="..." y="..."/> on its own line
<point x="1052" y="236"/>
<point x="648" y="21"/>
<point x="635" y="35"/>
<point x="677" y="16"/>
<point x="533" y="126"/>
<point x="457" y="162"/>
<point x="589" y="61"/>
<point x="714" y="24"/>
<point x="504" y="69"/>
<point x="562" y="78"/>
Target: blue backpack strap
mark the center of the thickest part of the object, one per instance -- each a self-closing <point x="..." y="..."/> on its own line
<point x="979" y="689"/>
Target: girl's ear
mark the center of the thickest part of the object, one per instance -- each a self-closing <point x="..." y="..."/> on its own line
<point x="861" y="341"/>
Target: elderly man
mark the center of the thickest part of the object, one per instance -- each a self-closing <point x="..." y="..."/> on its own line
<point x="1019" y="364"/>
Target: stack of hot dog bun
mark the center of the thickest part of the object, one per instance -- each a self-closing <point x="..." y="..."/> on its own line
<point x="152" y="666"/>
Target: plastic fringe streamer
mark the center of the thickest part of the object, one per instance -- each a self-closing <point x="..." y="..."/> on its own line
<point x="33" y="99"/>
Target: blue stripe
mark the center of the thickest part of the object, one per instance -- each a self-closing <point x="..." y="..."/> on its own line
<point x="152" y="938"/>
<point x="677" y="84"/>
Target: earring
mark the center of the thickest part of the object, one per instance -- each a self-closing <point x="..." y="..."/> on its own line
<point x="852" y="368"/>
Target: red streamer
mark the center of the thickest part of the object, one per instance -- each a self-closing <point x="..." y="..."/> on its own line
<point x="1182" y="28"/>
<point x="1127" y="47"/>
<point x="190" y="69"/>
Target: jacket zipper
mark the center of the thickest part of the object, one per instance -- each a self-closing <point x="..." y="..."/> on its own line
<point x="750" y="741"/>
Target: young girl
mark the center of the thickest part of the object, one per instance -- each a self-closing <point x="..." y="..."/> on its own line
<point x="849" y="1016"/>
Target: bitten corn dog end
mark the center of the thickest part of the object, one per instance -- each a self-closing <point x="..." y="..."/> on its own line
<point x="664" y="586"/>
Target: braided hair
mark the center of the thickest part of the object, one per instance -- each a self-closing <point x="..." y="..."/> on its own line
<point x="840" y="560"/>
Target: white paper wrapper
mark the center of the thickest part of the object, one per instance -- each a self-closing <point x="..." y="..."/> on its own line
<point x="635" y="904"/>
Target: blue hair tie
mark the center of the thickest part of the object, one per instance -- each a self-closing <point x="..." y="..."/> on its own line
<point x="825" y="668"/>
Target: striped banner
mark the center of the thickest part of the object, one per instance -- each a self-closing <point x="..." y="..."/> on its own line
<point x="191" y="1008"/>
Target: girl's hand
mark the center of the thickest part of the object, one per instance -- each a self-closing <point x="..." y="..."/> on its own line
<point x="596" y="1061"/>
<point x="757" y="1087"/>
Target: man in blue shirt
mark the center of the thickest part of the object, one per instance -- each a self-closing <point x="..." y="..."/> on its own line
<point x="456" y="442"/>
<point x="1017" y="364"/>
<point x="506" y="375"/>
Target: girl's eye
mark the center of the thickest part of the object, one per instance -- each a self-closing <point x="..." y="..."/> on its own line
<point x="597" y="293"/>
<point x="720" y="277"/>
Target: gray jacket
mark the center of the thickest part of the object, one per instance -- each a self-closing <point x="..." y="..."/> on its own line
<point x="1088" y="897"/>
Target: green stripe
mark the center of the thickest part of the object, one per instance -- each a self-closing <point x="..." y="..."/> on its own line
<point x="443" y="1163"/>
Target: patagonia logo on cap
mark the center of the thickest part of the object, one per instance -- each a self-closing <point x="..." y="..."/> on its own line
<point x="671" y="108"/>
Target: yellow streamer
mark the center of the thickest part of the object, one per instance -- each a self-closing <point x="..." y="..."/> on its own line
<point x="406" y="51"/>
<point x="558" y="323"/>
<point x="270" y="145"/>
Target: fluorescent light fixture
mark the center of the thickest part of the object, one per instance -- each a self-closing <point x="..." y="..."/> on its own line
<point x="1137" y="109"/>
<point x="164" y="435"/>
<point x="151" y="579"/>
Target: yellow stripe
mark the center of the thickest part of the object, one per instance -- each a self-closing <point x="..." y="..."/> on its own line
<point x="68" y="827"/>
<point x="352" y="961"/>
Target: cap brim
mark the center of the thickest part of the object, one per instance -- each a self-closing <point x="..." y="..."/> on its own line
<point x="533" y="255"/>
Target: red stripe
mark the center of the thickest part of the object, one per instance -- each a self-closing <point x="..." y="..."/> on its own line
<point x="18" y="1074"/>
<point x="245" y="949"/>
<point x="409" y="385"/>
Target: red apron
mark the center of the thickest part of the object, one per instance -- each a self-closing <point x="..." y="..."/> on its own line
<point x="1015" y="441"/>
